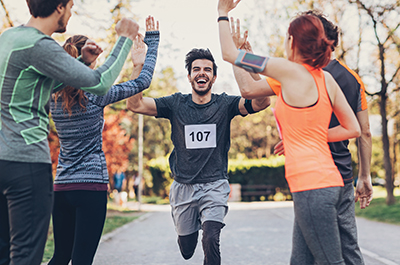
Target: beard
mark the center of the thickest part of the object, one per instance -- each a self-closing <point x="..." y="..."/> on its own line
<point x="62" y="25"/>
<point x="201" y="92"/>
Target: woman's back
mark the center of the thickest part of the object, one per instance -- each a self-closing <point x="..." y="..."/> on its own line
<point x="80" y="136"/>
<point x="309" y="164"/>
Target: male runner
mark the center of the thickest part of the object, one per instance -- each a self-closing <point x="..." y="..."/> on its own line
<point x="31" y="64"/>
<point x="354" y="91"/>
<point x="200" y="124"/>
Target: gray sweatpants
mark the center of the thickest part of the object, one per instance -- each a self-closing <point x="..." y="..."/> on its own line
<point x="316" y="237"/>
<point x="348" y="228"/>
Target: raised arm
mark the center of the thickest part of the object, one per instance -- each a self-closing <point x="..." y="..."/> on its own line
<point x="49" y="59"/>
<point x="349" y="127"/>
<point x="146" y="70"/>
<point x="137" y="103"/>
<point x="251" y="85"/>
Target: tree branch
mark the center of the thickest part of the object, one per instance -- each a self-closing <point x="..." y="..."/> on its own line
<point x="7" y="14"/>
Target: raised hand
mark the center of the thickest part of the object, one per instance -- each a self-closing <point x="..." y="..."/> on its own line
<point x="235" y="32"/>
<point x="90" y="51"/>
<point x="151" y="25"/>
<point x="224" y="6"/>
<point x="127" y="28"/>
<point x="138" y="51"/>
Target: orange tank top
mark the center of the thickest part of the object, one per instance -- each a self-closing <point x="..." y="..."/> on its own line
<point x="308" y="164"/>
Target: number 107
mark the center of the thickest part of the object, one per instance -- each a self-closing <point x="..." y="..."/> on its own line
<point x="200" y="136"/>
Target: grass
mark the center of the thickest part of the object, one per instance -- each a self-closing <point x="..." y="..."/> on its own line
<point x="116" y="217"/>
<point x="378" y="210"/>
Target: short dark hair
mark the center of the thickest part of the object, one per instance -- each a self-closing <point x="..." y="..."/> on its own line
<point x="331" y="30"/>
<point x="196" y="54"/>
<point x="44" y="8"/>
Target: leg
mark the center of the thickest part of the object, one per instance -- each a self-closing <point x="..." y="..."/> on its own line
<point x="214" y="207"/>
<point x="301" y="254"/>
<point x="91" y="208"/>
<point x="347" y="227"/>
<point x="28" y="189"/>
<point x="211" y="236"/>
<point x="185" y="215"/>
<point x="187" y="244"/>
<point x="316" y="215"/>
<point x="4" y="232"/>
<point x="63" y="228"/>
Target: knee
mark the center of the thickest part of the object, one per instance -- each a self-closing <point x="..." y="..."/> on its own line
<point x="211" y="232"/>
<point x="187" y="244"/>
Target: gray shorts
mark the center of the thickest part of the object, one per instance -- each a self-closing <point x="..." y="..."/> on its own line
<point x="193" y="204"/>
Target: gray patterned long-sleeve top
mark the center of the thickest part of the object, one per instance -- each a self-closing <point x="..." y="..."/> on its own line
<point x="81" y="158"/>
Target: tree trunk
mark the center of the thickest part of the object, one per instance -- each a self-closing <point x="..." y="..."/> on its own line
<point x="387" y="163"/>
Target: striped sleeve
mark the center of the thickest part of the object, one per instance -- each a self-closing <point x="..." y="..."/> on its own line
<point x="132" y="87"/>
<point x="49" y="59"/>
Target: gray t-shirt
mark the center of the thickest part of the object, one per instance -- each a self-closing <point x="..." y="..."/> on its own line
<point x="200" y="134"/>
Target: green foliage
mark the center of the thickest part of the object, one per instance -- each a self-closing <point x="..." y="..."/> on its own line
<point x="253" y="136"/>
<point x="379" y="211"/>
<point x="159" y="168"/>
<point x="268" y="171"/>
<point x="245" y="172"/>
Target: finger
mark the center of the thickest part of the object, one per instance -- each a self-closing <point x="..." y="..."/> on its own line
<point x="148" y="23"/>
<point x="238" y="27"/>
<point x="158" y="26"/>
<point x="245" y="35"/>
<point x="152" y="23"/>
<point x="232" y="25"/>
<point x="236" y="3"/>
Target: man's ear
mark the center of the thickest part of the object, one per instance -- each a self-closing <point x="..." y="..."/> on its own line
<point x="214" y="78"/>
<point x="60" y="8"/>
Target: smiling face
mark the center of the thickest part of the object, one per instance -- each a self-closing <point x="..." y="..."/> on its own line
<point x="201" y="77"/>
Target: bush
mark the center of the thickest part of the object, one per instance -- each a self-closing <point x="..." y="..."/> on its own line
<point x="265" y="171"/>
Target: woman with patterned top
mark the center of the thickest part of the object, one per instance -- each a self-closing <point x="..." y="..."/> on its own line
<point x="81" y="182"/>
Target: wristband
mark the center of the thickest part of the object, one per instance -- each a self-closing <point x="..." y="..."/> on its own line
<point x="248" y="106"/>
<point x="223" y="18"/>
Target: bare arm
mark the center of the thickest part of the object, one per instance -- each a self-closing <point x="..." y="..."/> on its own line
<point x="137" y="103"/>
<point x="250" y="84"/>
<point x="364" y="191"/>
<point x="349" y="127"/>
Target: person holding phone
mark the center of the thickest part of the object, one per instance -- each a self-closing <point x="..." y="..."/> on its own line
<point x="308" y="94"/>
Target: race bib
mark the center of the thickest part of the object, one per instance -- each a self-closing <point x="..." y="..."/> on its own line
<point x="201" y="136"/>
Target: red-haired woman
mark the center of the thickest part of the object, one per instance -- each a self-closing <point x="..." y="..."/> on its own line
<point x="80" y="185"/>
<point x="306" y="98"/>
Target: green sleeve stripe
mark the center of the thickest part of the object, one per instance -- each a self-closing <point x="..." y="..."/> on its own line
<point x="110" y="75"/>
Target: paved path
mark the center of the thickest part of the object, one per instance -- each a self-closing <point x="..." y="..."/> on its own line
<point x="256" y="234"/>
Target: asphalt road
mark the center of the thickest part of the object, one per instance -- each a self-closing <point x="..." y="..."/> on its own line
<point x="255" y="234"/>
